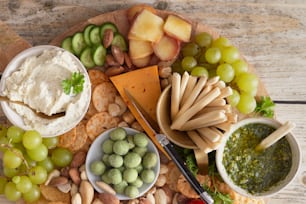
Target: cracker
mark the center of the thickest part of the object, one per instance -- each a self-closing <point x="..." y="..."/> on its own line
<point x="102" y="95"/>
<point x="54" y="195"/>
<point x="81" y="137"/>
<point x="98" y="123"/>
<point x="91" y="111"/>
<point x="97" y="77"/>
<point x="172" y="176"/>
<point x="67" y="139"/>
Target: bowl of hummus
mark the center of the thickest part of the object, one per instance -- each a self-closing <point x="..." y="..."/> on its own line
<point x="50" y="80"/>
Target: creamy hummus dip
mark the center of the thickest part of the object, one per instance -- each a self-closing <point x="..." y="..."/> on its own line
<point x="38" y="83"/>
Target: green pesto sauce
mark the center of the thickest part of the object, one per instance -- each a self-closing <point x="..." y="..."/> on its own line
<point x="253" y="171"/>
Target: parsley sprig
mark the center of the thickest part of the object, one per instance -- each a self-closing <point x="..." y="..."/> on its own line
<point x="265" y="107"/>
<point x="74" y="84"/>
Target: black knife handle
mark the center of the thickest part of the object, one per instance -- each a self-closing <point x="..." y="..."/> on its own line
<point x="168" y="146"/>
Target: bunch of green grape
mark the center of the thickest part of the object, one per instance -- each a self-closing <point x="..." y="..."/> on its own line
<point x="218" y="57"/>
<point x="27" y="158"/>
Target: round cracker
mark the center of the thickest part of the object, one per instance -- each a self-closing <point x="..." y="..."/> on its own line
<point x="102" y="95"/>
<point x="172" y="176"/>
<point x="97" y="77"/>
<point x="98" y="123"/>
<point x="67" y="140"/>
<point x="81" y="137"/>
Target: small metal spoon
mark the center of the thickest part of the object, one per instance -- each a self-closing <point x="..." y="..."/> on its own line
<point x="39" y="114"/>
<point x="275" y="136"/>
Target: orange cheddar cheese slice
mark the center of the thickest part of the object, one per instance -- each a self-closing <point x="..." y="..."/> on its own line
<point x="144" y="85"/>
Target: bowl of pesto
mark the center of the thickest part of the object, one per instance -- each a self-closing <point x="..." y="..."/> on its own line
<point x="257" y="174"/>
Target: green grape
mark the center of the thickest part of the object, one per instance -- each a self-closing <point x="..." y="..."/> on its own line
<point x="38" y="175"/>
<point x="14" y="134"/>
<point x="203" y="39"/>
<point x="213" y="55"/>
<point x="31" y="139"/>
<point x="247" y="82"/>
<point x="50" y="142"/>
<point x="190" y="49"/>
<point x="61" y="157"/>
<point x="23" y="183"/>
<point x="32" y="195"/>
<point x="20" y="147"/>
<point x="3" y="141"/>
<point x="247" y="103"/>
<point x="39" y="153"/>
<point x="188" y="63"/>
<point x="212" y="72"/>
<point x="177" y="67"/>
<point x="199" y="71"/>
<point x="12" y="158"/>
<point x="221" y="42"/>
<point x="29" y="161"/>
<point x="3" y="131"/>
<point x="3" y="182"/>
<point x="229" y="54"/>
<point x="225" y="72"/>
<point x="234" y="98"/>
<point x="240" y="66"/>
<point x="10" y="172"/>
<point x="47" y="164"/>
<point x="11" y="193"/>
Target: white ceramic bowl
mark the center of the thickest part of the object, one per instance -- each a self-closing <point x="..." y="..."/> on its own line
<point x="95" y="153"/>
<point x="296" y="159"/>
<point x="17" y="119"/>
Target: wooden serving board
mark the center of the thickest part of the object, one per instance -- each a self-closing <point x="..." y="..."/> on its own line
<point x="11" y="43"/>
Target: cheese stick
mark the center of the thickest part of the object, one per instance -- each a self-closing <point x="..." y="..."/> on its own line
<point x="208" y="133"/>
<point x="199" y="142"/>
<point x="194" y="93"/>
<point x="218" y="102"/>
<point x="175" y="94"/>
<point x="205" y="120"/>
<point x="192" y="80"/>
<point x="184" y="82"/>
<point x="182" y="117"/>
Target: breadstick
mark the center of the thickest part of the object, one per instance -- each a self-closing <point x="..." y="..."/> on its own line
<point x="175" y="94"/>
<point x="227" y="109"/>
<point x="209" y="134"/>
<point x="205" y="91"/>
<point x="212" y="81"/>
<point x="225" y="126"/>
<point x="217" y="102"/>
<point x="205" y="120"/>
<point x="194" y="93"/>
<point x="212" y="145"/>
<point x="200" y="143"/>
<point x="225" y="92"/>
<point x="232" y="117"/>
<point x="220" y="84"/>
<point x="184" y="82"/>
<point x="182" y="117"/>
<point x="192" y="80"/>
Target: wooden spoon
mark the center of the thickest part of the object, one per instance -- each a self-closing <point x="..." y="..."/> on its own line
<point x="275" y="136"/>
<point x="39" y="114"/>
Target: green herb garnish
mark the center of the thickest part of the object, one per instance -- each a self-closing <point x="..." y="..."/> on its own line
<point x="265" y="107"/>
<point x="74" y="84"/>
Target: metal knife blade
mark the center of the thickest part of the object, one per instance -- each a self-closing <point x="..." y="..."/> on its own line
<point x="168" y="146"/>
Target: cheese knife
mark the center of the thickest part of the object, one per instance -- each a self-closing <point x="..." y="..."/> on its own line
<point x="169" y="148"/>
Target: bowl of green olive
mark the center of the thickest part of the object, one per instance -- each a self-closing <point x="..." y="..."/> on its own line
<point x="123" y="160"/>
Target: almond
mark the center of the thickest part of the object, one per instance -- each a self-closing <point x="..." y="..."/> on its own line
<point x="118" y="54"/>
<point x="87" y="192"/>
<point x="75" y="175"/>
<point x="108" y="198"/>
<point x="110" y="61"/>
<point x="108" y="37"/>
<point x="115" y="70"/>
<point x="78" y="159"/>
<point x="56" y="181"/>
<point x="127" y="61"/>
<point x="160" y="196"/>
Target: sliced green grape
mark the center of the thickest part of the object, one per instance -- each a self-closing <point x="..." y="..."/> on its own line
<point x="3" y="182"/>
<point x="39" y="153"/>
<point x="11" y="193"/>
<point x="221" y="42"/>
<point x="240" y="66"/>
<point x="32" y="195"/>
<point x="213" y="55"/>
<point x="225" y="72"/>
<point x="47" y="164"/>
<point x="12" y="158"/>
<point x="229" y="54"/>
<point x="247" y="103"/>
<point x="190" y="49"/>
<point x="31" y="139"/>
<point x="199" y="71"/>
<point x="203" y="39"/>
<point x="234" y="98"/>
<point x="188" y="63"/>
<point x="50" y="142"/>
<point x="23" y="183"/>
<point x="61" y="157"/>
<point x="38" y="174"/>
<point x="14" y="134"/>
<point x="247" y="82"/>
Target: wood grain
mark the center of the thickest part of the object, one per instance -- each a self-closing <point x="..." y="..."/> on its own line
<point x="271" y="35"/>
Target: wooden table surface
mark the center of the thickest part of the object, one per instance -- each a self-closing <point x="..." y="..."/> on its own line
<point x="271" y="35"/>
